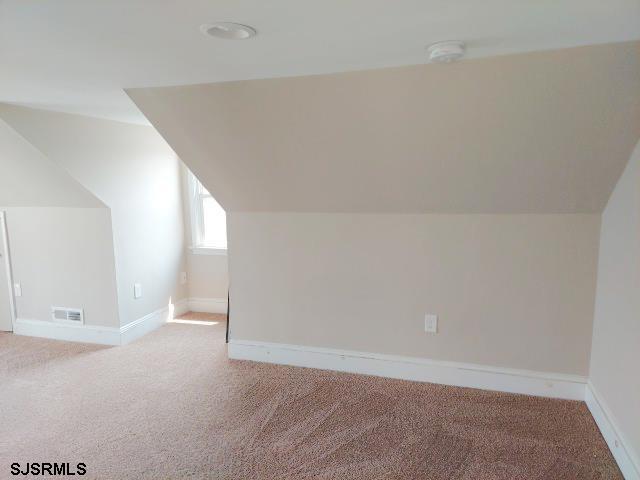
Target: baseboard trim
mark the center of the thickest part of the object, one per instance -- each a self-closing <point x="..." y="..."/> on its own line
<point x="205" y="305"/>
<point x="139" y="328"/>
<point x="64" y="331"/>
<point x="410" y="368"/>
<point x="112" y="335"/>
<point x="181" y="307"/>
<point x="91" y="333"/>
<point x="628" y="460"/>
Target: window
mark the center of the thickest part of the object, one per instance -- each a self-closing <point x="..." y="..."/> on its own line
<point x="208" y="220"/>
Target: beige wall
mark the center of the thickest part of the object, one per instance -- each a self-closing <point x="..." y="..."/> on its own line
<point x="60" y="236"/>
<point x="615" y="355"/>
<point x="510" y="290"/>
<point x="133" y="171"/>
<point x="63" y="257"/>
<point x="524" y="149"/>
<point x="208" y="274"/>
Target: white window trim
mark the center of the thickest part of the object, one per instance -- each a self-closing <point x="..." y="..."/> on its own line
<point x="207" y="251"/>
<point x="197" y="220"/>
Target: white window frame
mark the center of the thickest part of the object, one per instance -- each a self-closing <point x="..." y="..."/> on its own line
<point x="197" y="194"/>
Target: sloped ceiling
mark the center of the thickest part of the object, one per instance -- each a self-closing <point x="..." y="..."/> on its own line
<point x="28" y="178"/>
<point x="96" y="153"/>
<point x="544" y="132"/>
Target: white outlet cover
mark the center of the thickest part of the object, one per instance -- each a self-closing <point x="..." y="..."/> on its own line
<point x="137" y="290"/>
<point x="431" y="323"/>
<point x="17" y="290"/>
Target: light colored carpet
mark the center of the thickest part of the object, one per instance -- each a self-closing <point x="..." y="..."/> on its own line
<point x="171" y="405"/>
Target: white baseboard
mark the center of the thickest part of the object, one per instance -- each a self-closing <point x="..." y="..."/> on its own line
<point x="181" y="307"/>
<point x="138" y="328"/>
<point x="113" y="335"/>
<point x="65" y="331"/>
<point x="409" y="368"/>
<point x="205" y="305"/>
<point x="627" y="459"/>
<point x="91" y="333"/>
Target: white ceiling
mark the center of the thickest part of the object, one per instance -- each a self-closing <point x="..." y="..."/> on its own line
<point x="78" y="55"/>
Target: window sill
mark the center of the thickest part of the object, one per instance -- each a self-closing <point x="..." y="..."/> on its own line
<point x="208" y="251"/>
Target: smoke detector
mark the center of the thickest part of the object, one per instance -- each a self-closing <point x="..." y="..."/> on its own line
<point x="446" y="52"/>
<point x="228" y="30"/>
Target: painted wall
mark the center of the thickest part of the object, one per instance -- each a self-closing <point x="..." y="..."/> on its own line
<point x="208" y="275"/>
<point x="615" y="354"/>
<point x="63" y="257"/>
<point x="132" y="170"/>
<point x="510" y="290"/>
<point x="60" y="236"/>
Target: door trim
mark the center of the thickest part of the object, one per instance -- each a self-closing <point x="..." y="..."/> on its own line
<point x="4" y="238"/>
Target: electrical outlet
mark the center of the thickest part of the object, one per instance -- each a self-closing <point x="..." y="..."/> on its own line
<point x="137" y="290"/>
<point x="17" y="290"/>
<point x="183" y="278"/>
<point x="431" y="323"/>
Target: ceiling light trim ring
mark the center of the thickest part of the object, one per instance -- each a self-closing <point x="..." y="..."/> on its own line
<point x="228" y="30"/>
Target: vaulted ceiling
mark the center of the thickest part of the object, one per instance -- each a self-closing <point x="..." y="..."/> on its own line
<point x="331" y="106"/>
<point x="543" y="132"/>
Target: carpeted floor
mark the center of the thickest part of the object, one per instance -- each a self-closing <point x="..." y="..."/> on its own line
<point x="171" y="405"/>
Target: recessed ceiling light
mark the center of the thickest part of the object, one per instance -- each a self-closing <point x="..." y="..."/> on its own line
<point x="228" y="30"/>
<point x="446" y="52"/>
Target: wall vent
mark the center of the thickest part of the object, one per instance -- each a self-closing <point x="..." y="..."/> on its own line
<point x="70" y="315"/>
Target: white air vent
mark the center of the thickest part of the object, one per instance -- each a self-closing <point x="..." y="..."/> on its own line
<point x="71" y="315"/>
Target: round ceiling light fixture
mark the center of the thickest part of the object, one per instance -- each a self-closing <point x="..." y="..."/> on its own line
<point x="228" y="30"/>
<point x="446" y="52"/>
